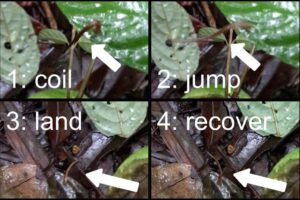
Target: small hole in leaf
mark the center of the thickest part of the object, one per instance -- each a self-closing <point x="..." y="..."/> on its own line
<point x="20" y="50"/>
<point x="108" y="102"/>
<point x="19" y="66"/>
<point x="276" y="111"/>
<point x="121" y="111"/>
<point x="10" y="58"/>
<point x="93" y="107"/>
<point x="169" y="43"/>
<point x="171" y="56"/>
<point x="180" y="48"/>
<point x="179" y="62"/>
<point x="248" y="106"/>
<point x="7" y="45"/>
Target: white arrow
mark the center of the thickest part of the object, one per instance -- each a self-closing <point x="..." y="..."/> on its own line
<point x="97" y="178"/>
<point x="99" y="51"/>
<point x="239" y="51"/>
<point x="244" y="177"/>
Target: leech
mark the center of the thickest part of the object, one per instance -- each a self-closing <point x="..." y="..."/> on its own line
<point x="242" y="25"/>
<point x="68" y="170"/>
<point x="96" y="25"/>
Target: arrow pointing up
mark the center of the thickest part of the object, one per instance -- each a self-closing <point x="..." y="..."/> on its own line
<point x="97" y="177"/>
<point x="239" y="51"/>
<point x="99" y="51"/>
<point x="244" y="177"/>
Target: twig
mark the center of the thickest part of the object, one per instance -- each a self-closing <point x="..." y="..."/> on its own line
<point x="243" y="76"/>
<point x="68" y="170"/>
<point x="219" y="167"/>
<point x="210" y="18"/>
<point x="242" y="25"/>
<point x="71" y="61"/>
<point x="49" y="14"/>
<point x="96" y="25"/>
<point x="86" y="78"/>
<point x="228" y="63"/>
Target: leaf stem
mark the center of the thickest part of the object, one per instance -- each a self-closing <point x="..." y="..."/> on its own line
<point x="71" y="61"/>
<point x="86" y="78"/>
<point x="243" y="76"/>
<point x="96" y="25"/>
<point x="228" y="61"/>
<point x="242" y="25"/>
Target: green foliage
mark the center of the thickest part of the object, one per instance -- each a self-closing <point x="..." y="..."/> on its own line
<point x="18" y="44"/>
<point x="276" y="26"/>
<point x="124" y="28"/>
<point x="287" y="170"/>
<point x="170" y="25"/>
<point x="211" y="92"/>
<point x="208" y="31"/>
<point x="284" y="115"/>
<point x="53" y="35"/>
<point x="116" y="118"/>
<point x="53" y="94"/>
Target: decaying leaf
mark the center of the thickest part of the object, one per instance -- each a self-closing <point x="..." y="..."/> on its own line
<point x="116" y="118"/>
<point x="174" y="181"/>
<point x="20" y="181"/>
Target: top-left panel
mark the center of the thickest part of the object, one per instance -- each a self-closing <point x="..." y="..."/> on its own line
<point x="74" y="50"/>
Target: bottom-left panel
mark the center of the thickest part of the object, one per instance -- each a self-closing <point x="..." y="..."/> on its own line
<point x="74" y="149"/>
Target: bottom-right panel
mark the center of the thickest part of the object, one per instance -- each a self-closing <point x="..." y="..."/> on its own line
<point x="225" y="149"/>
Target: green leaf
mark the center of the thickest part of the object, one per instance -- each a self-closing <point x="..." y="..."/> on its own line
<point x="248" y="43"/>
<point x="208" y="31"/>
<point x="170" y="25"/>
<point x="85" y="44"/>
<point x="284" y="116"/>
<point x="53" y="94"/>
<point x="116" y="118"/>
<point x="53" y="35"/>
<point x="18" y="44"/>
<point x="276" y="26"/>
<point x="124" y="28"/>
<point x="287" y="170"/>
<point x="211" y="92"/>
<point x="134" y="168"/>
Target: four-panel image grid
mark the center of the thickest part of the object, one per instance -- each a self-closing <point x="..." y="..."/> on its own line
<point x="149" y="99"/>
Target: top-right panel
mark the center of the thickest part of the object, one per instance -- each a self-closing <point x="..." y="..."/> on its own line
<point x="239" y="50"/>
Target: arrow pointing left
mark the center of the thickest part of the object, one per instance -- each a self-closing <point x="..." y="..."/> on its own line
<point x="97" y="177"/>
<point x="245" y="177"/>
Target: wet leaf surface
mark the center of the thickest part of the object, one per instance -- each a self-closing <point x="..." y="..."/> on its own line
<point x="276" y="26"/>
<point x="124" y="28"/>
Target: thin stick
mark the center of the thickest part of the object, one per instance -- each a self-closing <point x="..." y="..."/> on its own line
<point x="71" y="61"/>
<point x="49" y="14"/>
<point x="242" y="25"/>
<point x="68" y="170"/>
<point x="243" y="76"/>
<point x="228" y="63"/>
<point x="86" y="78"/>
<point x="209" y="16"/>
